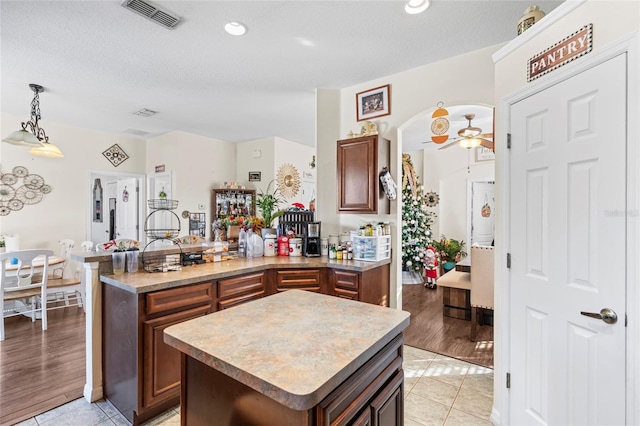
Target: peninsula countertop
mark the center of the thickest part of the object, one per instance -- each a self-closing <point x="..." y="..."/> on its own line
<point x="144" y="282"/>
<point x="294" y="347"/>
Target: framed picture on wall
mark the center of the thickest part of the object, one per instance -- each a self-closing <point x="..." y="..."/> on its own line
<point x="255" y="176"/>
<point x="373" y="103"/>
<point x="484" y="154"/>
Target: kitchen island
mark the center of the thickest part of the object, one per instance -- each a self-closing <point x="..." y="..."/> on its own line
<point x="140" y="373"/>
<point x="295" y="358"/>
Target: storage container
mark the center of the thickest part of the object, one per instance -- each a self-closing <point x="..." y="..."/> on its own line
<point x="371" y="248"/>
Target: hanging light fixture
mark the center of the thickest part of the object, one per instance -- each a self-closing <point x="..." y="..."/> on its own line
<point x="31" y="134"/>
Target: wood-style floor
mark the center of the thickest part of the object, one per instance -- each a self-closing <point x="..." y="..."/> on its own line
<point x="41" y="370"/>
<point x="432" y="331"/>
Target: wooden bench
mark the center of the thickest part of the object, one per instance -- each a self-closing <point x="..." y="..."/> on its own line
<point x="456" y="294"/>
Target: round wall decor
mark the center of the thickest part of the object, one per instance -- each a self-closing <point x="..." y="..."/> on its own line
<point x="288" y="180"/>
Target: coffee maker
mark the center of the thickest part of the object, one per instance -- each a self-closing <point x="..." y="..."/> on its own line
<point x="311" y="246"/>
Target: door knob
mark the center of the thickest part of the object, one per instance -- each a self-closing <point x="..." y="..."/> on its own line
<point x="607" y="315"/>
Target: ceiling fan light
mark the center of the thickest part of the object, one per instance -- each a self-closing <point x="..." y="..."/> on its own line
<point x="23" y="138"/>
<point x="235" y="28"/>
<point x="47" y="150"/>
<point x="469" y="142"/>
<point x="414" y="7"/>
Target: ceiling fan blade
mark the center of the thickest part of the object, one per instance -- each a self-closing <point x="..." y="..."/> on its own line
<point x="486" y="135"/>
<point x="486" y="143"/>
<point x="449" y="145"/>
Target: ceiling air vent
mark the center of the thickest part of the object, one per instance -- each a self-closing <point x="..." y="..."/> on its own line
<point x="144" y="112"/>
<point x="151" y="12"/>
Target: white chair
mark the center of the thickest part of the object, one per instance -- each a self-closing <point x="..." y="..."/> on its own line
<point x="86" y="245"/>
<point x="69" y="290"/>
<point x="22" y="287"/>
<point x="481" y="284"/>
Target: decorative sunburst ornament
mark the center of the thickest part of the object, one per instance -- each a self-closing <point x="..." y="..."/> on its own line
<point x="440" y="124"/>
<point x="432" y="199"/>
<point x="288" y="180"/>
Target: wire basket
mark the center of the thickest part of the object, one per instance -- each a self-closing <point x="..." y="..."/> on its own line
<point x="162" y="204"/>
<point x="162" y="233"/>
<point x="161" y="262"/>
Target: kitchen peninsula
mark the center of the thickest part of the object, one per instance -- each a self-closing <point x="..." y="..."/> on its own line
<point x="140" y="374"/>
<point x="295" y="358"/>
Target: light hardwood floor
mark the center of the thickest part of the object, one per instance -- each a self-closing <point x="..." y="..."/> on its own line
<point x="432" y="331"/>
<point x="41" y="370"/>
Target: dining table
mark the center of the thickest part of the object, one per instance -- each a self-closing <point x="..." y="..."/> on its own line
<point x="55" y="262"/>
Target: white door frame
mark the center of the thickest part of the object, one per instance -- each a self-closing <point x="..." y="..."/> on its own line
<point x="93" y="174"/>
<point x="470" y="183"/>
<point x="631" y="46"/>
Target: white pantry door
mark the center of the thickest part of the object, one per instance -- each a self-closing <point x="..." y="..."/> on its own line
<point x="567" y="244"/>
<point x="127" y="209"/>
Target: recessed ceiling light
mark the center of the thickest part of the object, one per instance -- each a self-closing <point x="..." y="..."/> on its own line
<point x="413" y="7"/>
<point x="236" y="28"/>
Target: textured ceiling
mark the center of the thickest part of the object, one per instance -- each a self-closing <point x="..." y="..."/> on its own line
<point x="99" y="62"/>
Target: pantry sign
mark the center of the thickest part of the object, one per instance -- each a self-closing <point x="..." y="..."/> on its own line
<point x="572" y="47"/>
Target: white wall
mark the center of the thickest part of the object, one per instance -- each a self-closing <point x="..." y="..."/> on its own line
<point x="299" y="156"/>
<point x="447" y="173"/>
<point x="247" y="161"/>
<point x="198" y="164"/>
<point x="64" y="212"/>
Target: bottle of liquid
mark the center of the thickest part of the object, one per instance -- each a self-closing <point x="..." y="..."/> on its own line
<point x="242" y="243"/>
<point x="249" y="247"/>
<point x="257" y="245"/>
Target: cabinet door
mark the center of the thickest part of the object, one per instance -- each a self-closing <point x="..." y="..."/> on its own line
<point x="237" y="290"/>
<point x="388" y="407"/>
<point x="357" y="175"/>
<point x="302" y="279"/>
<point x="161" y="362"/>
<point x="346" y="284"/>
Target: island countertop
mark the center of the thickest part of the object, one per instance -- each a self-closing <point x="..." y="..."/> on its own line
<point x="144" y="282"/>
<point x="294" y="347"/>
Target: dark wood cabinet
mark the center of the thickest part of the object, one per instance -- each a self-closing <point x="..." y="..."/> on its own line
<point x="300" y="279"/>
<point x="369" y="286"/>
<point x="360" y="160"/>
<point x="373" y="395"/>
<point x="237" y="290"/>
<point x="142" y="373"/>
<point x="161" y="362"/>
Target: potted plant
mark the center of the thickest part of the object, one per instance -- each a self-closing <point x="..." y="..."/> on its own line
<point x="2" y="246"/>
<point x="267" y="204"/>
<point x="450" y="252"/>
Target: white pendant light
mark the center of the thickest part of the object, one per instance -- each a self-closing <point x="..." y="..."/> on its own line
<point x="467" y="142"/>
<point x="31" y="134"/>
<point x="47" y="150"/>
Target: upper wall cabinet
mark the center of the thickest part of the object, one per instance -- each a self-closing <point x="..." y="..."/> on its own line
<point x="360" y="160"/>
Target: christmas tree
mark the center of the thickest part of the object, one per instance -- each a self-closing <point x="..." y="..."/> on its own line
<point x="416" y="219"/>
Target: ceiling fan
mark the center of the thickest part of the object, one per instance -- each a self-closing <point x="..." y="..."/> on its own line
<point x="470" y="136"/>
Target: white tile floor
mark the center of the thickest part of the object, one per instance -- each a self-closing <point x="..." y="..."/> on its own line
<point x="438" y="391"/>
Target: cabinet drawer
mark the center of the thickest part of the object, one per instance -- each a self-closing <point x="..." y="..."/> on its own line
<point x="302" y="279"/>
<point x="347" y="294"/>
<point x="347" y="280"/>
<point x="181" y="297"/>
<point x="236" y="286"/>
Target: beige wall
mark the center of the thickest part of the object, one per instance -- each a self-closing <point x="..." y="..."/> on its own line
<point x="197" y="164"/>
<point x="64" y="212"/>
<point x="452" y="81"/>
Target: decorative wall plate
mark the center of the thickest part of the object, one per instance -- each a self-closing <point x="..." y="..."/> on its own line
<point x="115" y="155"/>
<point x="288" y="180"/>
<point x="432" y="199"/>
<point x="15" y="195"/>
